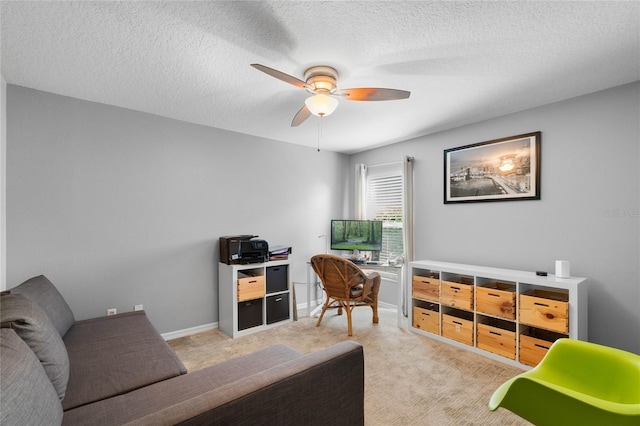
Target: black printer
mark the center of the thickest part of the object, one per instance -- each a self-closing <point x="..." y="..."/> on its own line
<point x="243" y="249"/>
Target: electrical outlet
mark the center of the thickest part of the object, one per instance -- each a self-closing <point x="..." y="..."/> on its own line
<point x="112" y="311"/>
<point x="138" y="308"/>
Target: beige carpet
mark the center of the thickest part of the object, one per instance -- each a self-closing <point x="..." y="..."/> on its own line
<point x="409" y="379"/>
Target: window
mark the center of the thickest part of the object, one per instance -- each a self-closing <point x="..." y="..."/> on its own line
<point x="385" y="192"/>
<point x="384" y="188"/>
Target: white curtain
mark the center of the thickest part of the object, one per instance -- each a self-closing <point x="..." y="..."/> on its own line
<point x="408" y="230"/>
<point x="361" y="191"/>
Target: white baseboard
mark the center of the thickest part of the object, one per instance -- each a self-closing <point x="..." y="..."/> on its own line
<point x="301" y="306"/>
<point x="384" y="305"/>
<point x="211" y="326"/>
<point x="189" y="331"/>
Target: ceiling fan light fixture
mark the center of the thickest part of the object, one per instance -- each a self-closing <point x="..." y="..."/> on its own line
<point x="321" y="105"/>
<point x="320" y="81"/>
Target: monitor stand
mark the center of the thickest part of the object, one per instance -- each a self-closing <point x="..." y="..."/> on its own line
<point x="357" y="258"/>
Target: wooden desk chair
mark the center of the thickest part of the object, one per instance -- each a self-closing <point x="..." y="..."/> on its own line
<point x="346" y="286"/>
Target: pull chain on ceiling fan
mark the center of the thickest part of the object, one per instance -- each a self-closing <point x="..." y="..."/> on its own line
<point x="319" y="131"/>
<point x="321" y="81"/>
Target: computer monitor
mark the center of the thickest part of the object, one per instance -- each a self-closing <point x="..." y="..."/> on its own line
<point x="356" y="235"/>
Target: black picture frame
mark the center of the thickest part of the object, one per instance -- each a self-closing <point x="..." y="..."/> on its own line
<point x="506" y="169"/>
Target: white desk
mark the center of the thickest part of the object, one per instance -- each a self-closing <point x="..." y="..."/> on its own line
<point x="365" y="267"/>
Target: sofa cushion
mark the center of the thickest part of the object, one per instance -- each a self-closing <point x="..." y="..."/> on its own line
<point x="112" y="355"/>
<point x="33" y="326"/>
<point x="28" y="397"/>
<point x="43" y="292"/>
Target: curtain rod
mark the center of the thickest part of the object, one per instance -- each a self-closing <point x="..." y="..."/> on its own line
<point x="391" y="163"/>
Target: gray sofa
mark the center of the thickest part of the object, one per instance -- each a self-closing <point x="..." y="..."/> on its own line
<point x="117" y="370"/>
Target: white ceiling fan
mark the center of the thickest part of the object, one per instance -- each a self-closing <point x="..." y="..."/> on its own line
<point x="321" y="82"/>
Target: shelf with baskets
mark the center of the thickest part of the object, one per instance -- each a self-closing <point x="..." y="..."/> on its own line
<point x="505" y="314"/>
<point x="254" y="297"/>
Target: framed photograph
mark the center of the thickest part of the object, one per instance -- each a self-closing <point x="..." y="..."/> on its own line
<point x="498" y="170"/>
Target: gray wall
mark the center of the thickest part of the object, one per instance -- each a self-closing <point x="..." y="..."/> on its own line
<point x="3" y="178"/>
<point x="119" y="207"/>
<point x="588" y="213"/>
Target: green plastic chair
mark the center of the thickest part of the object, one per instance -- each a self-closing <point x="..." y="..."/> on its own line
<point x="576" y="383"/>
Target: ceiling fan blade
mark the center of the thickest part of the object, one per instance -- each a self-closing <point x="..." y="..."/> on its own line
<point x="282" y="76"/>
<point x="300" y="116"/>
<point x="373" y="94"/>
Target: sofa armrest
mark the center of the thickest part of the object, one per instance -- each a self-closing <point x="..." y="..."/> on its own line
<point x="322" y="388"/>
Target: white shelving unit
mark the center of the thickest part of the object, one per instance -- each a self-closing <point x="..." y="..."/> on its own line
<point x="254" y="297"/>
<point x="509" y="315"/>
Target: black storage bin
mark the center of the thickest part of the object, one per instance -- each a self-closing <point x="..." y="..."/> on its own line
<point x="249" y="314"/>
<point x="277" y="278"/>
<point x="277" y="308"/>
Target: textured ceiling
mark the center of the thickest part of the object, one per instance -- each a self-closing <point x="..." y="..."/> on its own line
<point x="462" y="61"/>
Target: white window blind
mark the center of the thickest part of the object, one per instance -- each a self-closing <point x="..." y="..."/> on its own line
<point x="384" y="202"/>
<point x="384" y="198"/>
